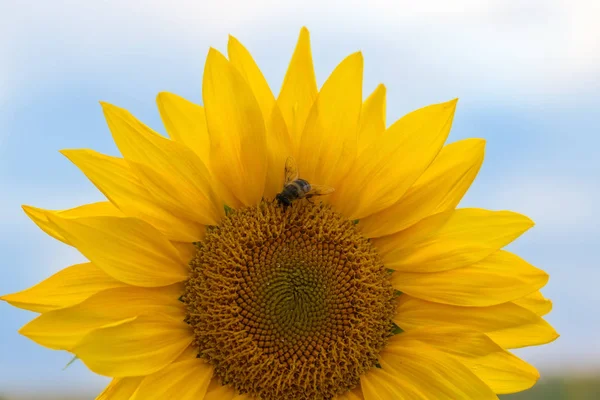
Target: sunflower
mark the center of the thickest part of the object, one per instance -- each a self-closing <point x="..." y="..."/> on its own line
<point x="203" y="284"/>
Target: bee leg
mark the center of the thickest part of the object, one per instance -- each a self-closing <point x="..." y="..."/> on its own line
<point x="308" y="199"/>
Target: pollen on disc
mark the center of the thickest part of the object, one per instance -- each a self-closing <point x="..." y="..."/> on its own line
<point x="288" y="303"/>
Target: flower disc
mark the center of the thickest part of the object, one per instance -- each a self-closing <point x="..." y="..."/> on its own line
<point x="289" y="303"/>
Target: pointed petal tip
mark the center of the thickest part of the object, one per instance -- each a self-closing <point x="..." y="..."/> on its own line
<point x="111" y="109"/>
<point x="71" y="154"/>
<point x="523" y="219"/>
<point x="232" y="40"/>
<point x="545" y="278"/>
<point x="231" y="43"/>
<point x="530" y="222"/>
<point x="355" y="60"/>
<point x="166" y="97"/>
<point x="212" y="57"/>
<point x="478" y="142"/>
<point x="24" y="331"/>
<point x="30" y="211"/>
<point x="452" y="103"/>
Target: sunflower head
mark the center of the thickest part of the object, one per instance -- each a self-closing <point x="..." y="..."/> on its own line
<point x="220" y="269"/>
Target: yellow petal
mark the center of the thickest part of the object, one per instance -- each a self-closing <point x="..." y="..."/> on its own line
<point x="299" y="89"/>
<point x="127" y="249"/>
<point x="237" y="130"/>
<point x="183" y="380"/>
<point x="497" y="368"/>
<point x="62" y="329"/>
<point x="67" y="287"/>
<point x="190" y="352"/>
<point x="217" y="391"/>
<point x="115" y="179"/>
<point x="170" y="171"/>
<point x="328" y="144"/>
<point x="378" y="384"/>
<point x="279" y="147"/>
<point x="372" y="119"/>
<point x="469" y="235"/>
<point x="535" y="302"/>
<point x="384" y="172"/>
<point x="498" y="278"/>
<point x="140" y="346"/>
<point x="39" y="215"/>
<point x="439" y="188"/>
<point x="355" y="394"/>
<point x="120" y="388"/>
<point x="431" y="373"/>
<point x="186" y="250"/>
<point x="242" y="60"/>
<point x="413" y="234"/>
<point x="185" y="123"/>
<point x="508" y="324"/>
<point x="102" y="208"/>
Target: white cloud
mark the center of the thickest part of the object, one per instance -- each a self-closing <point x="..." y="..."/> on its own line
<point x="526" y="50"/>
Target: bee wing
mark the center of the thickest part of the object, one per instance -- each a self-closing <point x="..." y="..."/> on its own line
<point x="291" y="170"/>
<point x="319" y="190"/>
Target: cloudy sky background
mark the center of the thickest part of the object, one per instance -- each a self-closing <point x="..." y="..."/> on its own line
<point x="527" y="74"/>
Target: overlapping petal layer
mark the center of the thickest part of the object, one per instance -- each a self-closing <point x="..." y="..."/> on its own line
<point x="64" y="328"/>
<point x="236" y="129"/>
<point x="498" y="278"/>
<point x="386" y="170"/>
<point x="508" y="324"/>
<point x="412" y="369"/>
<point x="67" y="287"/>
<point x="135" y="346"/>
<point x="119" y="183"/>
<point x="128" y="249"/>
<point x="329" y="136"/>
<point x="438" y="189"/>
<point x="466" y="237"/>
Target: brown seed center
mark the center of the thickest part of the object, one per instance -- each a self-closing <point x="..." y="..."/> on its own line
<point x="288" y="304"/>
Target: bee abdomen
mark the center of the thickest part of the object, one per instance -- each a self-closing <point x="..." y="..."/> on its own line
<point x="303" y="186"/>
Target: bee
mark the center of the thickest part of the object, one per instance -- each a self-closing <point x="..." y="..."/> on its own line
<point x="295" y="188"/>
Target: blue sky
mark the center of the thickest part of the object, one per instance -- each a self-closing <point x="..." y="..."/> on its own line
<point x="527" y="78"/>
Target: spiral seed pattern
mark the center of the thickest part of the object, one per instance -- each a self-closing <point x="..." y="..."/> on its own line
<point x="288" y="303"/>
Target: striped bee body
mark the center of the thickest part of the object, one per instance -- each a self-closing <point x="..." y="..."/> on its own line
<point x="295" y="188"/>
